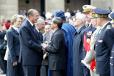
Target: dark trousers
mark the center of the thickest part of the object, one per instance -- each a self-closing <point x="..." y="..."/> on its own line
<point x="44" y="70"/>
<point x="14" y="70"/>
<point x="31" y="70"/>
<point x="108" y="74"/>
<point x="3" y="63"/>
<point x="86" y="71"/>
<point x="58" y="73"/>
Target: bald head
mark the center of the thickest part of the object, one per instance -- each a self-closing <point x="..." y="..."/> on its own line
<point x="33" y="15"/>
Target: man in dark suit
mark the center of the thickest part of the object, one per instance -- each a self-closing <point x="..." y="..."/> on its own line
<point x="57" y="49"/>
<point x="13" y="67"/>
<point x="30" y="45"/>
<point x="103" y="43"/>
<point x="69" y="32"/>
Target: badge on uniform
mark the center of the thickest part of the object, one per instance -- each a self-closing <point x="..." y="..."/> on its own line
<point x="89" y="33"/>
<point x="100" y="41"/>
<point x="108" y="27"/>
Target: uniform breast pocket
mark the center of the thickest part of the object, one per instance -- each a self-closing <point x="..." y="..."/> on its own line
<point x="99" y="42"/>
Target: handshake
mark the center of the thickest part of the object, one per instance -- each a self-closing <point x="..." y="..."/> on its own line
<point x="44" y="46"/>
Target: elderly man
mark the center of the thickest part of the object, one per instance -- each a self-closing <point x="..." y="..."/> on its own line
<point x="30" y="45"/>
<point x="40" y="24"/>
<point x="77" y="45"/>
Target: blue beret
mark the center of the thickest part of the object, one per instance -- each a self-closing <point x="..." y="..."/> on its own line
<point x="111" y="15"/>
<point x="101" y="11"/>
<point x="59" y="13"/>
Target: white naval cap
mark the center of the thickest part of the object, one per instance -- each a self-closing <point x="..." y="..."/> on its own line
<point x="88" y="8"/>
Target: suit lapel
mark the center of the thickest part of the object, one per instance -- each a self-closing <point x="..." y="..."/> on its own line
<point x="14" y="31"/>
<point x="83" y="27"/>
<point x="54" y="33"/>
<point x="33" y="32"/>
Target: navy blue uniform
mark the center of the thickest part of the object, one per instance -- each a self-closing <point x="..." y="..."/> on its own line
<point x="103" y="47"/>
<point x="111" y="34"/>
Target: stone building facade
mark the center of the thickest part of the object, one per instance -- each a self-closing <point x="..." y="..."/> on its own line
<point x="11" y="7"/>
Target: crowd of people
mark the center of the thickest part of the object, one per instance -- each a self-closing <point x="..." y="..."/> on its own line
<point x="61" y="44"/>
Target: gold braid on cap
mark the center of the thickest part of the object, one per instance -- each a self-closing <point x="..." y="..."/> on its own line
<point x="94" y="15"/>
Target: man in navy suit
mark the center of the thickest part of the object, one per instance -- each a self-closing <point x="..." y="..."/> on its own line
<point x="13" y="67"/>
<point x="30" y="45"/>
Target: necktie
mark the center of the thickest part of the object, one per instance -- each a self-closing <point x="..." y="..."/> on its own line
<point x="34" y="26"/>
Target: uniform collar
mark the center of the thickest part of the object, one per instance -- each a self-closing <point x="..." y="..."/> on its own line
<point x="104" y="25"/>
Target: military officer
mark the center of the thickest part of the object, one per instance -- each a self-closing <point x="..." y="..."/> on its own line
<point x="103" y="43"/>
<point x="111" y="16"/>
<point x="87" y="10"/>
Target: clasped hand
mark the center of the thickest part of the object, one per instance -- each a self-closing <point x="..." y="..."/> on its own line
<point x="44" y="45"/>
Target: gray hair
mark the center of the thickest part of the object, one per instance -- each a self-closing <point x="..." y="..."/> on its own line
<point x="31" y="12"/>
<point x="41" y="21"/>
<point x="15" y="17"/>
